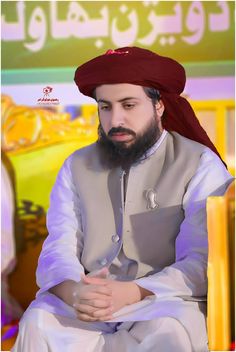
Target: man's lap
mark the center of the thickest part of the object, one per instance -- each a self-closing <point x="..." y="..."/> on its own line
<point x="62" y="332"/>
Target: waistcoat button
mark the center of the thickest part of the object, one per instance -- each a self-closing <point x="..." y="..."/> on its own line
<point x="103" y="261"/>
<point x="115" y="238"/>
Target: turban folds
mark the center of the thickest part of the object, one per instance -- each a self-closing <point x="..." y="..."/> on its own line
<point x="143" y="67"/>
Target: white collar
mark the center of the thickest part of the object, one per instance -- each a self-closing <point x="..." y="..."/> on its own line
<point x="156" y="145"/>
<point x="152" y="150"/>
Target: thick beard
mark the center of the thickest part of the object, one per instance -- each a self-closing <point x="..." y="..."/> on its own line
<point x="117" y="154"/>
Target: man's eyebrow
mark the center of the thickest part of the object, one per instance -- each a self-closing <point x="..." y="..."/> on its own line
<point x="127" y="98"/>
<point x="119" y="101"/>
<point x="103" y="101"/>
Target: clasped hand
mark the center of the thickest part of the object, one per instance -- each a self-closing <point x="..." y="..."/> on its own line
<point x="96" y="298"/>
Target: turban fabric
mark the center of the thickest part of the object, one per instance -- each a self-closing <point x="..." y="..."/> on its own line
<point x="143" y="67"/>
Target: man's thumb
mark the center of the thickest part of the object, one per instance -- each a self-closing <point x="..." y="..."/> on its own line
<point x="102" y="273"/>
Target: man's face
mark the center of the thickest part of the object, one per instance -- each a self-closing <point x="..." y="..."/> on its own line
<point x="129" y="123"/>
<point x="125" y="112"/>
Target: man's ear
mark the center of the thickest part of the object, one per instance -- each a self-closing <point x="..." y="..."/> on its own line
<point x="159" y="108"/>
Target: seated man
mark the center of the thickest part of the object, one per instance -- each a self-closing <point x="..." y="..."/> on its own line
<point x="124" y="265"/>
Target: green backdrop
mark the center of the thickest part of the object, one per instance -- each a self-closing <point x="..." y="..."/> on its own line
<point x="44" y="41"/>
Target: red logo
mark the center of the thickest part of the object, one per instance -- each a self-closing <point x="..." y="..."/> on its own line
<point x="47" y="100"/>
<point x="47" y="90"/>
<point x="112" y="52"/>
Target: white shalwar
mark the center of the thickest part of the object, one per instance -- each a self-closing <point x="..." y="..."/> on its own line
<point x="170" y="320"/>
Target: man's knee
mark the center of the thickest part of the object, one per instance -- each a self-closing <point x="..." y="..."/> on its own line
<point x="168" y="324"/>
<point x="30" y="336"/>
<point x="32" y="319"/>
<point x="166" y="332"/>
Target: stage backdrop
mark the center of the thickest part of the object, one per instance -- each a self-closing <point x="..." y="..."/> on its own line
<point x="43" y="41"/>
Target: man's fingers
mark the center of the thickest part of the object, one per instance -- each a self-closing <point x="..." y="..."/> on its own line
<point x="99" y="290"/>
<point x="93" y="292"/>
<point x="94" y="303"/>
<point x="104" y="290"/>
<point x="87" y="313"/>
<point x="102" y="273"/>
<point x="85" y="317"/>
<point x="94" y="312"/>
<point x="94" y="280"/>
<point x="103" y="314"/>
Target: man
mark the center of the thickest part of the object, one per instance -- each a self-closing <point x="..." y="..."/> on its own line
<point x="124" y="264"/>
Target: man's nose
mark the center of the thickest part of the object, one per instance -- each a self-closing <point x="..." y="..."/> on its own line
<point x="117" y="117"/>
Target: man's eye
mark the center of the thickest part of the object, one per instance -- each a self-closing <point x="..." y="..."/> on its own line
<point x="104" y="107"/>
<point x="129" y="105"/>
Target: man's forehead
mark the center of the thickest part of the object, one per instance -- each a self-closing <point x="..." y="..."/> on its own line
<point x="118" y="91"/>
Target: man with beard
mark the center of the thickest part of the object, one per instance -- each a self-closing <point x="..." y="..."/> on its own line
<point x="118" y="151"/>
<point x="124" y="264"/>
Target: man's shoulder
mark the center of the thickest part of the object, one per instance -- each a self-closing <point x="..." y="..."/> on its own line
<point x="86" y="158"/>
<point x="183" y="151"/>
<point x="187" y="144"/>
<point x="85" y="152"/>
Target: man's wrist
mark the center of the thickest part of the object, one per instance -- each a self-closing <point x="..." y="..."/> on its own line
<point x="133" y="293"/>
<point x="136" y="293"/>
<point x="65" y="290"/>
<point x="144" y="292"/>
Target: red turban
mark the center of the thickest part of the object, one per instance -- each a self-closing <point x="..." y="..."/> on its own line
<point x="143" y="67"/>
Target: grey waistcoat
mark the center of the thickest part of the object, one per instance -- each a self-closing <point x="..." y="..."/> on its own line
<point x="148" y="223"/>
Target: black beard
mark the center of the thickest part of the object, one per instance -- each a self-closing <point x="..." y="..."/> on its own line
<point x="115" y="154"/>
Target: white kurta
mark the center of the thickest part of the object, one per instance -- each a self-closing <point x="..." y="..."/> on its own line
<point x="169" y="300"/>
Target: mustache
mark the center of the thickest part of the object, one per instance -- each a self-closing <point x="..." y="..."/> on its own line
<point x="114" y="130"/>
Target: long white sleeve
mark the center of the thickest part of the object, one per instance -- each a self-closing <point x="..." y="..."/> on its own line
<point x="188" y="275"/>
<point x="59" y="259"/>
